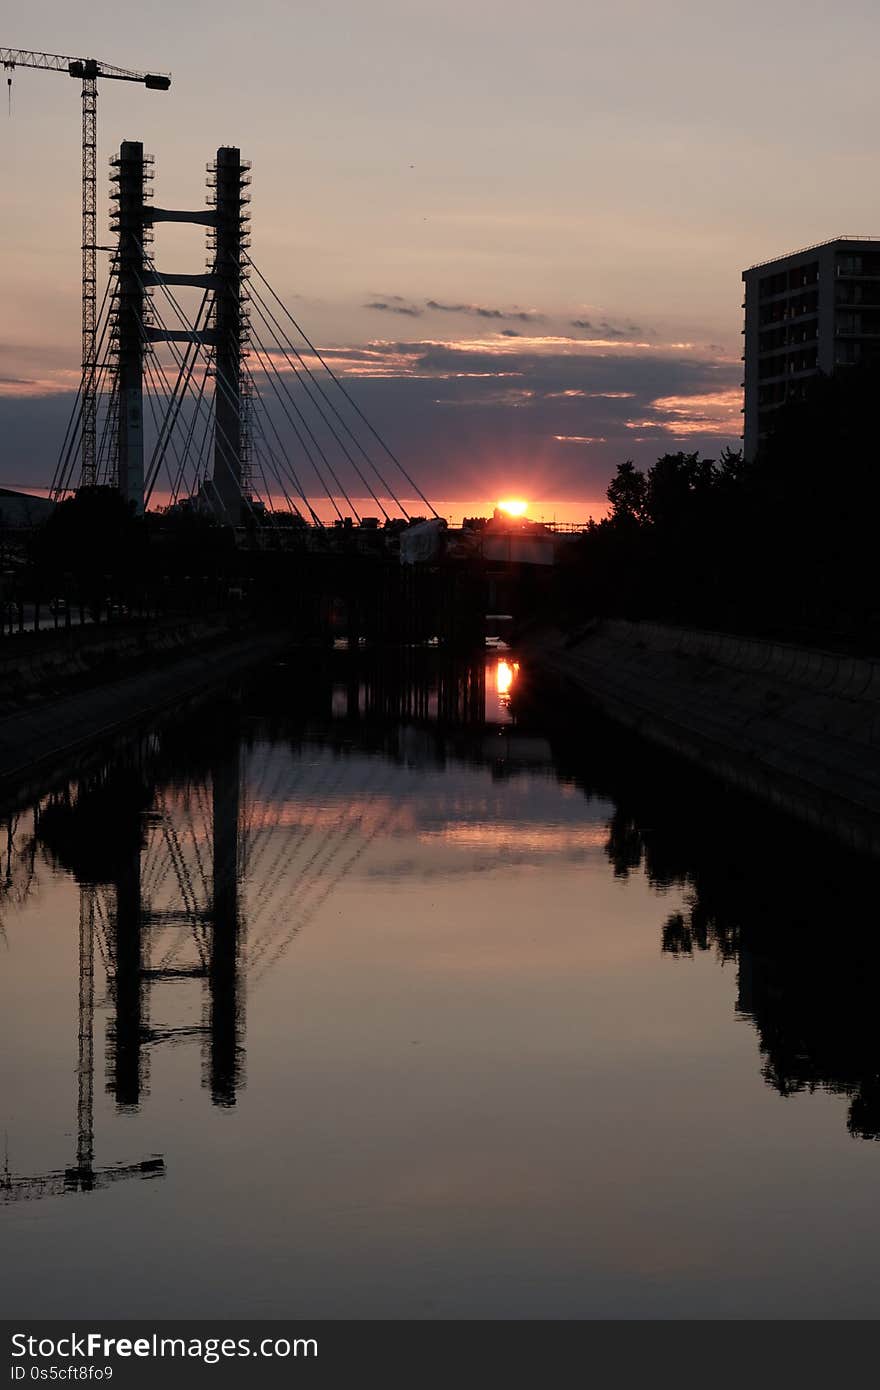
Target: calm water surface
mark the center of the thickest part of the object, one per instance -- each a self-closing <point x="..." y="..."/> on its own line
<point x="384" y="994"/>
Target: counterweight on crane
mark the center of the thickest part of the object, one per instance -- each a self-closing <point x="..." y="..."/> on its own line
<point x="89" y="70"/>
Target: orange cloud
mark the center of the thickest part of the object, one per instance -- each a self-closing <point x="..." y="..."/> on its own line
<point x="54" y="384"/>
<point x="384" y="358"/>
<point x="574" y="393"/>
<point x="713" y="412"/>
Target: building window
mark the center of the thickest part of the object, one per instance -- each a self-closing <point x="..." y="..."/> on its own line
<point x="847" y="354"/>
<point x="803" y="275"/>
<point x="772" y="284"/>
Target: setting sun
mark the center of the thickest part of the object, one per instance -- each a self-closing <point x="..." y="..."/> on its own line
<point x="514" y="506"/>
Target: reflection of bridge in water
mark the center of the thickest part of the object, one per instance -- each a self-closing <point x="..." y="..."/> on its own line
<point x="204" y="850"/>
<point x="195" y="875"/>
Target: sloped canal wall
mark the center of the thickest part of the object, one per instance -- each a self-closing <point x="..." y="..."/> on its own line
<point x="798" y="727"/>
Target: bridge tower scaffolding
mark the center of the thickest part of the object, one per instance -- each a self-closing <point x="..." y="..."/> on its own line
<point x="226" y="333"/>
<point x="131" y="172"/>
<point x="228" y="178"/>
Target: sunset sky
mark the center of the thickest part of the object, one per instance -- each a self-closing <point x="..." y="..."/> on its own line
<point x="519" y="227"/>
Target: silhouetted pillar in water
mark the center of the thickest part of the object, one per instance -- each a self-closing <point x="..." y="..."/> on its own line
<point x="479" y="710"/>
<point x="128" y="977"/>
<point x="353" y="620"/>
<point x="353" y="692"/>
<point x="85" y="1069"/>
<point x="227" y="1003"/>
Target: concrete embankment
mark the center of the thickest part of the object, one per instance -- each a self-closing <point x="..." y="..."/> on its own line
<point x="797" y="727"/>
<point x="57" y="698"/>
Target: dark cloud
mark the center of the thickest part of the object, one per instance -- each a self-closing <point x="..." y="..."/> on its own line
<point x="500" y="412"/>
<point x="510" y="333"/>
<point x="481" y="311"/>
<point x="398" y="306"/>
<point x="603" y="329"/>
<point x="507" y="417"/>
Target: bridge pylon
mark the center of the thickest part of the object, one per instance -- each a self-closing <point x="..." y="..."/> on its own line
<point x="131" y="172"/>
<point x="228" y="178"/>
<point x="224" y="338"/>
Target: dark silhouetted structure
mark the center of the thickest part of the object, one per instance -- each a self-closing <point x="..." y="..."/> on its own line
<point x="813" y="311"/>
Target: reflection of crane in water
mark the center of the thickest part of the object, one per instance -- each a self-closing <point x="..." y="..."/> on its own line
<point x="19" y="867"/>
<point x="171" y="865"/>
<point x="82" y="1176"/>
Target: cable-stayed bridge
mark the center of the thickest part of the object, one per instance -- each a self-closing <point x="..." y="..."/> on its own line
<point x="226" y="405"/>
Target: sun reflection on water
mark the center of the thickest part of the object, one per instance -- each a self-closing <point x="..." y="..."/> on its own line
<point x="506" y="673"/>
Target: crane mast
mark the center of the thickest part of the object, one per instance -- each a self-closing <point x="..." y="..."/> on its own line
<point x="89" y="278"/>
<point x="88" y="70"/>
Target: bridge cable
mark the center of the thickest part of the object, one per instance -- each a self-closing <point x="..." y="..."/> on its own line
<point x="155" y="373"/>
<point x="292" y="471"/>
<point x="187" y="386"/>
<point x="263" y="312"/>
<point x="223" y="385"/>
<point x="76" y="411"/>
<point x="276" y="471"/>
<point x="153" y="395"/>
<point x="64" y="468"/>
<point x="353" y="403"/>
<point x="263" y="356"/>
<point x="266" y="314"/>
<point x="180" y="359"/>
<point x="289" y="466"/>
<point x="272" y="375"/>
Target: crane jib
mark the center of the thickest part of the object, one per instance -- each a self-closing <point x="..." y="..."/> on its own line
<point x="86" y="69"/>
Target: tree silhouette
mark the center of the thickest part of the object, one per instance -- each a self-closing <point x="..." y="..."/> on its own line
<point x="782" y="545"/>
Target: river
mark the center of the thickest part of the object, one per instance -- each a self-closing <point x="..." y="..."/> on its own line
<point x="394" y="989"/>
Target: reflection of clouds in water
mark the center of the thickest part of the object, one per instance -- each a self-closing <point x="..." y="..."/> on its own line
<point x="393" y="817"/>
<point x="482" y="862"/>
<point x="419" y="800"/>
<point x="543" y="839"/>
<point x="469" y="822"/>
<point x="476" y="848"/>
<point x="417" y="747"/>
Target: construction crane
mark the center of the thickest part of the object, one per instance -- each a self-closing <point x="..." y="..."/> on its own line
<point x="89" y="70"/>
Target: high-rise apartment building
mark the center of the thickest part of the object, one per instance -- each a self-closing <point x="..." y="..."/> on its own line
<point x="814" y="311"/>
